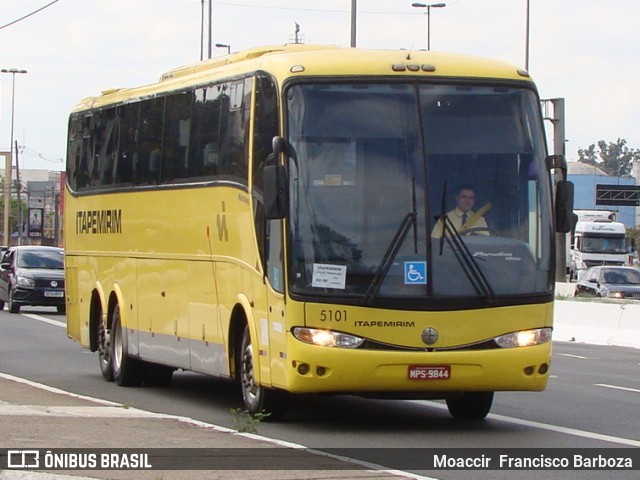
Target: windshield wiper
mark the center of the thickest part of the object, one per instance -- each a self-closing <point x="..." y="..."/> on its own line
<point x="409" y="220"/>
<point x="464" y="257"/>
<point x="387" y="260"/>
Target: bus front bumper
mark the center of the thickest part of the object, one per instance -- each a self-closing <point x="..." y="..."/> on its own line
<point x="314" y="369"/>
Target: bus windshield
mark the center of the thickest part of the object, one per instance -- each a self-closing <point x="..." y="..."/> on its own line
<point x="376" y="170"/>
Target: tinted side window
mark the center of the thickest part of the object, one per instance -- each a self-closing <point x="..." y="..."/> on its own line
<point x="265" y="126"/>
<point x="149" y="159"/>
<point x="196" y="135"/>
<point x="85" y="165"/>
<point x="128" y="152"/>
<point x="74" y="150"/>
<point x="109" y="149"/>
<point x="235" y="114"/>
<point x="175" y="145"/>
<point x="204" y="154"/>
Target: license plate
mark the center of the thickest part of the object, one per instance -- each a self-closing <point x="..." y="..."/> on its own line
<point x="429" y="372"/>
<point x="54" y="293"/>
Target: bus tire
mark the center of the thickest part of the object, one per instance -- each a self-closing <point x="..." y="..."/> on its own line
<point x="104" y="351"/>
<point x="470" y="405"/>
<point x="126" y="370"/>
<point x="257" y="399"/>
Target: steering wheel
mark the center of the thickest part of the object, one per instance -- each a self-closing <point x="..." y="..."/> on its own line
<point x="476" y="230"/>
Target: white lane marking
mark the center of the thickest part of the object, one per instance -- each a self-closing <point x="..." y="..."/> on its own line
<point x="80" y="412"/>
<point x="45" y="320"/>
<point x="616" y="387"/>
<point x="57" y="390"/>
<point x="573" y="356"/>
<point x="552" y="428"/>
<point x="569" y="431"/>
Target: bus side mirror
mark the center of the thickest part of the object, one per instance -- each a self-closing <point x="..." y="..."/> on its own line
<point x="565" y="217"/>
<point x="278" y="145"/>
<point x="275" y="192"/>
<point x="563" y="207"/>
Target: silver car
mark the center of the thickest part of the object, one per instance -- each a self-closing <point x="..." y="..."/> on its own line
<point x="610" y="282"/>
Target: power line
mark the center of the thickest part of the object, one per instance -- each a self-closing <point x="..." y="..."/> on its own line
<point x="32" y="153"/>
<point x="28" y="15"/>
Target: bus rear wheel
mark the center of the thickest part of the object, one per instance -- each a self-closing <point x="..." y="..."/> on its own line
<point x="470" y="405"/>
<point x="257" y="399"/>
<point x="127" y="371"/>
<point x="104" y="352"/>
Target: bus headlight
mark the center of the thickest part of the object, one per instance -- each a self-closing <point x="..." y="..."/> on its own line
<point x="524" y="338"/>
<point x="615" y="295"/>
<point x="327" y="338"/>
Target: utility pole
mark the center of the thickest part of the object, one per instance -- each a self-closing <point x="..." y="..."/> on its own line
<point x="9" y="159"/>
<point x="19" y="190"/>
<point x="354" y="8"/>
<point x="556" y="117"/>
<point x="210" y="26"/>
<point x="205" y="19"/>
<point x="526" y="47"/>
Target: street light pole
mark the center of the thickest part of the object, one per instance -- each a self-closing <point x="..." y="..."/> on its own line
<point x="9" y="159"/>
<point x="526" y="48"/>
<point x="209" y="24"/>
<point x="354" y="8"/>
<point x="222" y="45"/>
<point x="428" y="7"/>
<point x="201" y="30"/>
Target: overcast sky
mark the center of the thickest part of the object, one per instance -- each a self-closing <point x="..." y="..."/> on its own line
<point x="585" y="51"/>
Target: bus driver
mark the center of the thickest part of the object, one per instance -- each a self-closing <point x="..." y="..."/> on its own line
<point x="463" y="218"/>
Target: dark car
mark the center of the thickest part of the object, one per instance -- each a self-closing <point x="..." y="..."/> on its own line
<point x="611" y="282"/>
<point x="32" y="275"/>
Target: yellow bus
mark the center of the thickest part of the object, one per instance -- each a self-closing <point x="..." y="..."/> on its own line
<point x="284" y="217"/>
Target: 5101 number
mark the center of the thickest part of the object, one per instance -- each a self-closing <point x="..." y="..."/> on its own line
<point x="333" y="315"/>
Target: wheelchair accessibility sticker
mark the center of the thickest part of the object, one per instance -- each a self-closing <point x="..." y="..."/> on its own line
<point x="415" y="273"/>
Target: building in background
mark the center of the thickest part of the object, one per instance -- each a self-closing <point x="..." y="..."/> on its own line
<point x="585" y="179"/>
<point x="40" y="212"/>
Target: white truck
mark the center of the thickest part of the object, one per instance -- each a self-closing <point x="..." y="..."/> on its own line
<point x="598" y="239"/>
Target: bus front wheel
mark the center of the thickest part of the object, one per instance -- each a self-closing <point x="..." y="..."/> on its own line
<point x="470" y="405"/>
<point x="257" y="399"/>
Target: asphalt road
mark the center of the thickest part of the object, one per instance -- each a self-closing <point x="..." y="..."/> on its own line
<point x="591" y="402"/>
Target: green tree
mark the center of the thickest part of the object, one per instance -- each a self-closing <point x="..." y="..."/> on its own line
<point x="613" y="158"/>
<point x="633" y="238"/>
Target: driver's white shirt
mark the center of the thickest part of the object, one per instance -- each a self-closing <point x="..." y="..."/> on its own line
<point x="455" y="216"/>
